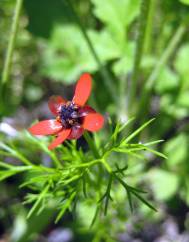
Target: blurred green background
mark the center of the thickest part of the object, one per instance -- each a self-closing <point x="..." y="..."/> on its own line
<point x="57" y="42"/>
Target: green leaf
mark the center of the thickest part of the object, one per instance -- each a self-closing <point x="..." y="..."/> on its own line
<point x="177" y="150"/>
<point x="183" y="99"/>
<point x="144" y="201"/>
<point x="134" y="191"/>
<point x="181" y="61"/>
<point x="14" y="152"/>
<point x="107" y="195"/>
<point x="95" y="215"/>
<point x="154" y="142"/>
<point x="120" y="169"/>
<point x="184" y="2"/>
<point x="137" y="147"/>
<point x="167" y="81"/>
<point x="155" y="152"/>
<point x="117" y="14"/>
<point x="136" y="132"/>
<point x="5" y="174"/>
<point x="88" y="212"/>
<point x="42" y="144"/>
<point x="124" y="65"/>
<point x="84" y="185"/>
<point x="65" y="206"/>
<point x="39" y="199"/>
<point x="64" y="60"/>
<point x="125" y="124"/>
<point x="171" y="107"/>
<point x="5" y="165"/>
<point x="164" y="183"/>
<point x="130" y="199"/>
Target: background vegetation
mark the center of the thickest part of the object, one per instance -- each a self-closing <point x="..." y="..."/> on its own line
<point x="137" y="52"/>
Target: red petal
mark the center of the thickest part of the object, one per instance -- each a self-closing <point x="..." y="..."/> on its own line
<point x="55" y="103"/>
<point x="45" y="127"/>
<point x="76" y="132"/>
<point x="83" y="89"/>
<point x="60" y="139"/>
<point x="86" y="110"/>
<point x="93" y="122"/>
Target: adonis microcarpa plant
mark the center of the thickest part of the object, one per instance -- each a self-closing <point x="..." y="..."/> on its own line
<point x="76" y="175"/>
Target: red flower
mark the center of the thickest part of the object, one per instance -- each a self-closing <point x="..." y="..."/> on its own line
<point x="72" y="117"/>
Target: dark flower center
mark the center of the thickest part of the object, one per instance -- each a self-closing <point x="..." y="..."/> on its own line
<point x="69" y="115"/>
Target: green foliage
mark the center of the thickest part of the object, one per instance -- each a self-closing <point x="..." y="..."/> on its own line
<point x="164" y="183"/>
<point x="50" y="52"/>
<point x="117" y="16"/>
<point x="64" y="62"/>
<point x="76" y="175"/>
<point x="175" y="86"/>
<point x="177" y="153"/>
<point x="167" y="82"/>
<point x="184" y="1"/>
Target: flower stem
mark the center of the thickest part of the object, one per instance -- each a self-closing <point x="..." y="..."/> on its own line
<point x="11" y="44"/>
<point x="146" y="92"/>
<point x="144" y="9"/>
<point x="109" y="83"/>
<point x="149" y="27"/>
<point x="165" y="56"/>
<point x="91" y="145"/>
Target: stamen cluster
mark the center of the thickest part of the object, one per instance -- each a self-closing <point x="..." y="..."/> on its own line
<point x="69" y="115"/>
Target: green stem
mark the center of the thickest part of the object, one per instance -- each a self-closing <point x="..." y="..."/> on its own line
<point x="149" y="27"/>
<point x="146" y="92"/>
<point x="107" y="166"/>
<point x="91" y="145"/>
<point x="139" y="51"/>
<point x="165" y="56"/>
<point x="11" y="44"/>
<point x="109" y="83"/>
<point x="88" y="164"/>
<point x="122" y="114"/>
<point x="95" y="153"/>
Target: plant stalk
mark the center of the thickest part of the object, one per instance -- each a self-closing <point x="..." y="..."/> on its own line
<point x="11" y="43"/>
<point x="146" y="92"/>
<point x="91" y="145"/>
<point x="165" y="56"/>
<point x="149" y="27"/>
<point x="144" y="10"/>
